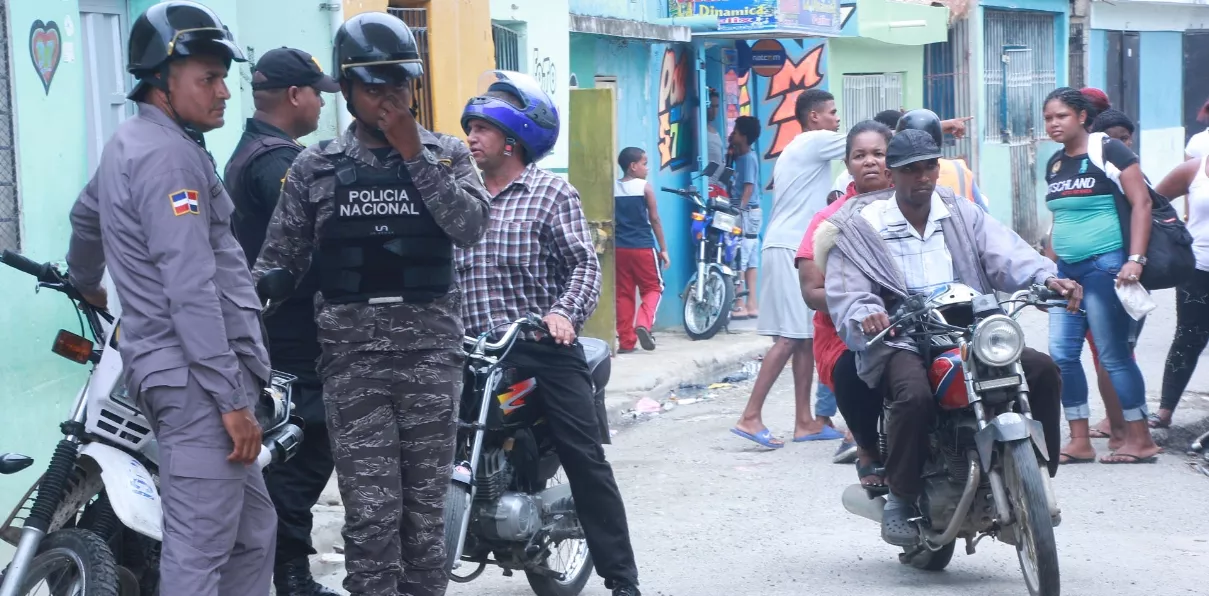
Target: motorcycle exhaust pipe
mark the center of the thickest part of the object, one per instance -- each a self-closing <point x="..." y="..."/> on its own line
<point x="857" y="501"/>
<point x="280" y="445"/>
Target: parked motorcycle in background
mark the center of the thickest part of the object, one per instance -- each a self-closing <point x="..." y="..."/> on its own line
<point x="710" y="294"/>
<point x="91" y="525"/>
<point x="508" y="504"/>
<point x="984" y="475"/>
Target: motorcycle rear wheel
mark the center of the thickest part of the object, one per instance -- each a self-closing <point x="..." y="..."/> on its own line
<point x="929" y="560"/>
<point x="1035" y="546"/>
<point x="703" y="320"/>
<point x="71" y="562"/>
<point x="579" y="562"/>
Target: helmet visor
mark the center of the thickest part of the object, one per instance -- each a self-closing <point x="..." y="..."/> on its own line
<point x="524" y="89"/>
<point x="387" y="72"/>
<point x="205" y="40"/>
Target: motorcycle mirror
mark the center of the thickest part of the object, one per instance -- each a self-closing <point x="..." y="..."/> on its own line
<point x="727" y="174"/>
<point x="11" y="463"/>
<point x="710" y="169"/>
<point x="277" y="284"/>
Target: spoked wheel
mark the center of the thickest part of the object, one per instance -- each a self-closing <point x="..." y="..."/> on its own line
<point x="71" y="562"/>
<point x="1035" y="546"/>
<point x="457" y="500"/>
<point x="929" y="560"/>
<point x="570" y="557"/>
<point x="703" y="319"/>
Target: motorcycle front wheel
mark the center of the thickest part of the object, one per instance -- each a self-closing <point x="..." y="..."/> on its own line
<point x="71" y="562"/>
<point x="703" y="319"/>
<point x="569" y="557"/>
<point x="1035" y="546"/>
<point x="457" y="500"/>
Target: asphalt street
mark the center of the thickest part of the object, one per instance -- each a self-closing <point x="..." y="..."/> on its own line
<point x="713" y="514"/>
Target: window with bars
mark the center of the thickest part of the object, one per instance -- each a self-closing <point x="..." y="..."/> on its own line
<point x="867" y="94"/>
<point x="507" y="48"/>
<point x="417" y="20"/>
<point x="10" y="207"/>
<point x="947" y="85"/>
<point x="1016" y="90"/>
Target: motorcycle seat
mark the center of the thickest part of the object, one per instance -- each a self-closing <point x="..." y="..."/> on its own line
<point x="595" y="351"/>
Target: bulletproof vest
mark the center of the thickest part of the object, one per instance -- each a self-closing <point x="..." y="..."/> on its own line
<point x="380" y="245"/>
<point x="249" y="221"/>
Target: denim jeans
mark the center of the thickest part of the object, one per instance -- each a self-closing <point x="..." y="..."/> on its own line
<point x="1111" y="328"/>
<point x="824" y="404"/>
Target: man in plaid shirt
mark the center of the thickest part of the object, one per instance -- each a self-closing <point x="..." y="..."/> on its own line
<point x="538" y="258"/>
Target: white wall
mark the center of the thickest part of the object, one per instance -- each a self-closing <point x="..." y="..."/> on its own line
<point x="1145" y="15"/>
<point x="545" y="46"/>
<point x="1162" y="150"/>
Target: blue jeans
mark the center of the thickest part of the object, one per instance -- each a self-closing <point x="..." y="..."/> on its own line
<point x="1111" y="328"/>
<point x="824" y="404"/>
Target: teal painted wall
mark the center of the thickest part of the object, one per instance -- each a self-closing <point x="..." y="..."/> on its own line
<point x="1097" y="70"/>
<point x="640" y="69"/>
<point x="1161" y="103"/>
<point x="38" y="387"/>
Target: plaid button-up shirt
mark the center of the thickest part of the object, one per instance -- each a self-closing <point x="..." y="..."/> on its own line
<point x="537" y="257"/>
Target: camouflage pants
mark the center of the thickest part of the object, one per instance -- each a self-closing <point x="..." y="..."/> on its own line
<point x="391" y="418"/>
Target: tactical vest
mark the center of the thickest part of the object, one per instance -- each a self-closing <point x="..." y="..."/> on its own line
<point x="250" y="224"/>
<point x="380" y="244"/>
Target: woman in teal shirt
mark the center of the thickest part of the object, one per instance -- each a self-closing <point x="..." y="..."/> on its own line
<point x="1092" y="249"/>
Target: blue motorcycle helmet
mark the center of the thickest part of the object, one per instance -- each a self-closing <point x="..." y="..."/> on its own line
<point x="534" y="124"/>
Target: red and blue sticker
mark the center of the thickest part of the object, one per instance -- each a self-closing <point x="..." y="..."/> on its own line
<point x="184" y="202"/>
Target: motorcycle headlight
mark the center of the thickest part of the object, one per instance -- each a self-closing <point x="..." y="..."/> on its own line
<point x="998" y="340"/>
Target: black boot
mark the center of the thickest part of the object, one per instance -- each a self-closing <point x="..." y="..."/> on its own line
<point x="294" y="579"/>
<point x="622" y="589"/>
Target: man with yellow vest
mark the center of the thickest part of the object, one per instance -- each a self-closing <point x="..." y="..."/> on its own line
<point x="953" y="172"/>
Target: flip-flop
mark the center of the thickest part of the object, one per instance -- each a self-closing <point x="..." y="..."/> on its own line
<point x="1155" y="422"/>
<point x="845" y="453"/>
<point x="873" y="469"/>
<point x="1136" y="459"/>
<point x="763" y="437"/>
<point x="1071" y="460"/>
<point x="827" y="434"/>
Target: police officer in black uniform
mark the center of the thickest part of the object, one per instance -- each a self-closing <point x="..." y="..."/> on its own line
<point x="286" y="89"/>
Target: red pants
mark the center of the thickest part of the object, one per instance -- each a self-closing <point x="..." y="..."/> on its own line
<point x="637" y="271"/>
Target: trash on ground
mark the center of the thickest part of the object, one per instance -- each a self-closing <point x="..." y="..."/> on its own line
<point x="612" y="432"/>
<point x="647" y="405"/>
<point x="669" y="404"/>
<point x="722" y="385"/>
<point x="692" y="386"/>
<point x="689" y="401"/>
<point x="331" y="558"/>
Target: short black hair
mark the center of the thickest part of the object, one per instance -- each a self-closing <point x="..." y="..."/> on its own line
<point x="749" y="127"/>
<point x="863" y="127"/>
<point x="1075" y="100"/>
<point x="889" y="118"/>
<point x="808" y="101"/>
<point x="714" y="92"/>
<point x="628" y="157"/>
<point x="1110" y="118"/>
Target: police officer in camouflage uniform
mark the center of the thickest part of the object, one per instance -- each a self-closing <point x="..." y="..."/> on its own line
<point x="382" y="207"/>
<point x="157" y="216"/>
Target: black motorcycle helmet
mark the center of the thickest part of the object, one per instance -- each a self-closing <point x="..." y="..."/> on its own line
<point x="375" y="48"/>
<point x="925" y="120"/>
<point x="173" y="30"/>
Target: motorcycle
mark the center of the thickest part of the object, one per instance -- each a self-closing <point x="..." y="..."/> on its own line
<point x="983" y="476"/>
<point x="710" y="294"/>
<point x="507" y="502"/>
<point x="91" y="524"/>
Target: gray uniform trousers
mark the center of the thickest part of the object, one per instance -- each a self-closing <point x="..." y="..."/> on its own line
<point x="391" y="420"/>
<point x="220" y="529"/>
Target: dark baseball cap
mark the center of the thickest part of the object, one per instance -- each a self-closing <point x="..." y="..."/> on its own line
<point x="910" y="146"/>
<point x="287" y="67"/>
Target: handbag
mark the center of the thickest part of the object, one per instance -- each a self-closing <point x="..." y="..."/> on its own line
<point x="1169" y="258"/>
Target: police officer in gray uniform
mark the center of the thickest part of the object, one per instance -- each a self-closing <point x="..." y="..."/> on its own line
<point x="158" y="216"/>
<point x="381" y="208"/>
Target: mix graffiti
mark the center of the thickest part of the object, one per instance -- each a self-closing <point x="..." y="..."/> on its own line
<point x="45" y="49"/>
<point x="675" y="116"/>
<point x="794" y="78"/>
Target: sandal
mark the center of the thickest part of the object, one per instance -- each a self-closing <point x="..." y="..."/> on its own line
<point x="1157" y="422"/>
<point x="875" y="468"/>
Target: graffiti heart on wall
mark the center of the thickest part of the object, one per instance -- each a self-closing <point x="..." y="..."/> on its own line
<point x="675" y="117"/>
<point x="45" y="49"/>
<point x="794" y="77"/>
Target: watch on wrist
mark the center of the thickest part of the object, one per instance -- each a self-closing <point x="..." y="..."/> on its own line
<point x="1139" y="259"/>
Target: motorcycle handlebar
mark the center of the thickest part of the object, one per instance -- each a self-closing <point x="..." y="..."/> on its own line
<point x="42" y="271"/>
<point x="514" y="329"/>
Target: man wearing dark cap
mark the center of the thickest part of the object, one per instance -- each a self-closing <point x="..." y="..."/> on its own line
<point x="286" y="87"/>
<point x="908" y="240"/>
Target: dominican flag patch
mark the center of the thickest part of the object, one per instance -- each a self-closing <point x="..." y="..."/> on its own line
<point x="184" y="202"/>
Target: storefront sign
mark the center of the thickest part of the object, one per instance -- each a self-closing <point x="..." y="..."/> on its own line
<point x="801" y="17"/>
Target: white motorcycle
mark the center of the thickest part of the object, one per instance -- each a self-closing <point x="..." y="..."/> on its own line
<point x="99" y="493"/>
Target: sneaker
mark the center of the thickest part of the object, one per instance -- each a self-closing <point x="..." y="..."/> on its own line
<point x="626" y="590"/>
<point x="645" y="338"/>
<point x="845" y="454"/>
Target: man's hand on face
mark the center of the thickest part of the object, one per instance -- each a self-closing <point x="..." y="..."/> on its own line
<point x="1071" y="290"/>
<point x="875" y="323"/>
<point x="560" y="328"/>
<point x="400" y="127"/>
